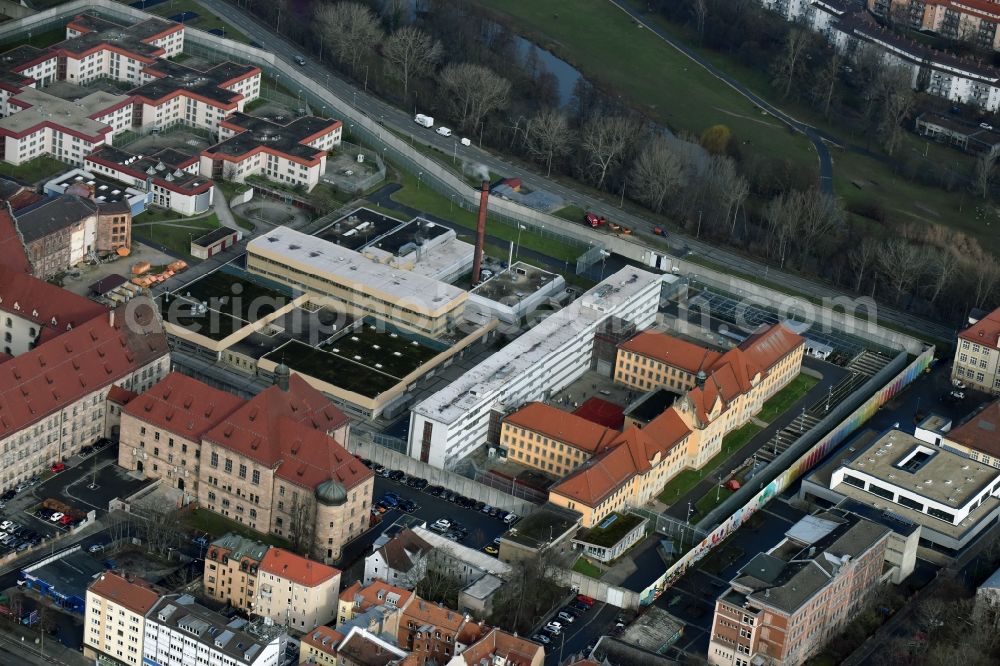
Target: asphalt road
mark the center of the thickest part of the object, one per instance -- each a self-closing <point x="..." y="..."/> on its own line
<point x="401" y="120"/>
<point x="577" y="636"/>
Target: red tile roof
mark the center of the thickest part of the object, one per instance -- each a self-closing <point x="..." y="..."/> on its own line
<point x="134" y="594"/>
<point x="15" y="259"/>
<point x="981" y="432"/>
<point x="602" y="412"/>
<point x="288" y="429"/>
<point x="632" y="452"/>
<point x="324" y="639"/>
<point x="374" y="594"/>
<point x="93" y="355"/>
<point x="120" y="396"/>
<point x="23" y="198"/>
<point x="288" y="565"/>
<point x="984" y="332"/>
<point x="562" y="426"/>
<point x="514" y="651"/>
<point x="183" y="406"/>
<point x="45" y="304"/>
<point x="671" y="351"/>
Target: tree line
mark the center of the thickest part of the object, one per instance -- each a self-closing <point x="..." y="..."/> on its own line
<point x="453" y="60"/>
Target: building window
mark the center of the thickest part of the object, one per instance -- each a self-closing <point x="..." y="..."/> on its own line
<point x="255" y="477"/>
<point x="215" y="459"/>
<point x="229" y="465"/>
<point x="243" y="471"/>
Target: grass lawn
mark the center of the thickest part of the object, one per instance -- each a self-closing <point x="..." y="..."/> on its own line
<point x="786" y="397"/>
<point x="217" y="526"/>
<point x="175" y="235"/>
<point x="712" y="499"/>
<point x="32" y="171"/>
<point x="689" y="478"/>
<point x="613" y="533"/>
<point x="427" y="200"/>
<point x="571" y="213"/>
<point x="583" y="566"/>
<point x="39" y="39"/>
<point x="613" y="52"/>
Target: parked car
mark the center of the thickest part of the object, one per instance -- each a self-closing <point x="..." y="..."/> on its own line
<point x="441" y="525"/>
<point x="300" y="61"/>
<point x="407" y="505"/>
<point x="541" y="638"/>
<point x="510" y="519"/>
<point x="96" y="548"/>
<point x="418" y="483"/>
<point x="367" y="463"/>
<point x="8" y="495"/>
<point x="5" y="525"/>
<point x="566" y="617"/>
<point x="443" y="131"/>
<point x="56" y="468"/>
<point x="66" y="521"/>
<point x="494" y="511"/>
<point x="434" y="490"/>
<point x="21" y="487"/>
<point x="490" y="549"/>
<point x="56" y="517"/>
<point x="397" y="474"/>
<point x="501" y="514"/>
<point x="584" y="599"/>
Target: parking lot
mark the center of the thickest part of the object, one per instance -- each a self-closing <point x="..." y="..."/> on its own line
<point x="581" y="635"/>
<point x="482" y="528"/>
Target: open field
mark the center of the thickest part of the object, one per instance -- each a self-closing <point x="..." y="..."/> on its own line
<point x="614" y="53"/>
<point x="610" y="50"/>
<point x="33" y="171"/>
<point x="786" y="397"/>
<point x="175" y="235"/>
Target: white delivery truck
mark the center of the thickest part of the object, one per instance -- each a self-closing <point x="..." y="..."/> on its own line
<point x="421" y="119"/>
<point x="443" y="131"/>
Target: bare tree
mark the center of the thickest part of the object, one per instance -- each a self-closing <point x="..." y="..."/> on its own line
<point x="728" y="187"/>
<point x="781" y="217"/>
<point x="900" y="263"/>
<point x="473" y="91"/>
<point x="302" y="526"/>
<point x="547" y="136"/>
<point x="351" y="29"/>
<point x="862" y="256"/>
<point x="987" y="275"/>
<point x="825" y="87"/>
<point x="898" y="97"/>
<point x="984" y="173"/>
<point x="158" y="525"/>
<point x="657" y="173"/>
<point x="412" y="52"/>
<point x="820" y="215"/>
<point x="790" y="62"/>
<point x="700" y="10"/>
<point x="944" y="264"/>
<point x="605" y="141"/>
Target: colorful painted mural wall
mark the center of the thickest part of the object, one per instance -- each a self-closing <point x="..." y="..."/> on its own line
<point x="809" y="459"/>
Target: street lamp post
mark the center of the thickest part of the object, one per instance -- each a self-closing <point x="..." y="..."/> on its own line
<point x="454" y="152"/>
<point x="420" y="175"/>
<point x="698" y="233"/>
<point x="517" y="248"/>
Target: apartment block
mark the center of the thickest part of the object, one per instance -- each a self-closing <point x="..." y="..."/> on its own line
<point x="42" y="124"/>
<point x="96" y="47"/>
<point x="434" y="634"/>
<point x="175" y="93"/>
<point x="972" y="21"/>
<point x="232" y="565"/>
<point x="788" y="602"/>
<point x="977" y="354"/>
<point x="377" y="606"/>
<point x="293" y="153"/>
<point x="499" y="648"/>
<point x="181" y="632"/>
<point x="115" y="620"/>
<point x="319" y="647"/>
<point x="295" y="591"/>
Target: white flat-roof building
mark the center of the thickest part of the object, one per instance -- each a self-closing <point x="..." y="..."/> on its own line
<point x="181" y="632"/>
<point x="454" y="421"/>
<point x="316" y="266"/>
<point x="950" y="496"/>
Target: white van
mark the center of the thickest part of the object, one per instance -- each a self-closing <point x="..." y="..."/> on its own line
<point x="466" y="142"/>
<point x="510" y="519"/>
<point x="421" y="119"/>
<point x="443" y="131"/>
